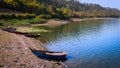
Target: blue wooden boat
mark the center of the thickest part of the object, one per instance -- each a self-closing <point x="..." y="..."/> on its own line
<point x="50" y="54"/>
<point x="13" y="30"/>
<point x="32" y="35"/>
<point x="9" y="29"/>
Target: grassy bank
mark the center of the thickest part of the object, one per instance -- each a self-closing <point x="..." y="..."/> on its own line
<point x="31" y="30"/>
<point x="20" y="19"/>
<point x="15" y="22"/>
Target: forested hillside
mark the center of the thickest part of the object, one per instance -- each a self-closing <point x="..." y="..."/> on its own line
<point x="58" y="8"/>
<point x="72" y="4"/>
<point x="35" y="7"/>
<point x="84" y="9"/>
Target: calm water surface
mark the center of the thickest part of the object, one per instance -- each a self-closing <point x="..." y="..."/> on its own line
<point x="90" y="44"/>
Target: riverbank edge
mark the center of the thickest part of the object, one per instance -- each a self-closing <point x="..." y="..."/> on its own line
<point x="87" y="19"/>
<point x="12" y="45"/>
<point x="52" y="22"/>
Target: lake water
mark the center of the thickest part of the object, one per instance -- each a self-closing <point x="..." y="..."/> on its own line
<point x="90" y="44"/>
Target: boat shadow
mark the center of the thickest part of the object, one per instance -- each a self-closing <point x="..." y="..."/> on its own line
<point x="48" y="57"/>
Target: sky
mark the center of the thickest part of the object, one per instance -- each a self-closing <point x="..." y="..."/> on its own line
<point x="104" y="3"/>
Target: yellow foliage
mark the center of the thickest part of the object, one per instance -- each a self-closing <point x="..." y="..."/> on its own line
<point x="11" y="2"/>
<point x="51" y="9"/>
<point x="65" y="11"/>
<point x="8" y="1"/>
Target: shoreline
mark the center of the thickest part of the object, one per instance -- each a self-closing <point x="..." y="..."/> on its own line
<point x="87" y="19"/>
<point x="53" y="22"/>
<point x="50" y="22"/>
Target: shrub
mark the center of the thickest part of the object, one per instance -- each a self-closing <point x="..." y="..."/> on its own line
<point x="43" y="16"/>
<point x="36" y="21"/>
<point x="16" y="16"/>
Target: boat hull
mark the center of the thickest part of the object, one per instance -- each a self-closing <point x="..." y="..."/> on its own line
<point x="50" y="57"/>
<point x="13" y="30"/>
<point x="32" y="35"/>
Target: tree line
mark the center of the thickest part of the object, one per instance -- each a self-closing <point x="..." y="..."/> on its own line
<point x="63" y="9"/>
<point x="84" y="9"/>
<point x="41" y="10"/>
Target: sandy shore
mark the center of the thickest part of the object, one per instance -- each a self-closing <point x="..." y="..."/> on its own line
<point x="53" y="22"/>
<point x="15" y="52"/>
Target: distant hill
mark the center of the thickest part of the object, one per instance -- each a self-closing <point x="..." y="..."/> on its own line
<point x="73" y="5"/>
<point x="84" y="9"/>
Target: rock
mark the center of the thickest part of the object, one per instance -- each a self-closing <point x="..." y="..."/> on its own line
<point x="15" y="52"/>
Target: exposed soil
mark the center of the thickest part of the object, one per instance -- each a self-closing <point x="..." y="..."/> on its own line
<point x="15" y="52"/>
<point x="52" y="22"/>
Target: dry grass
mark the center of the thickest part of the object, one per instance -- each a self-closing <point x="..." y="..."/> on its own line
<point x="30" y="29"/>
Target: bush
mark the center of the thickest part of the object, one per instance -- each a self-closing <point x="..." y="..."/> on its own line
<point x="36" y="21"/>
<point x="16" y="16"/>
<point x="22" y="21"/>
<point x="43" y="16"/>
